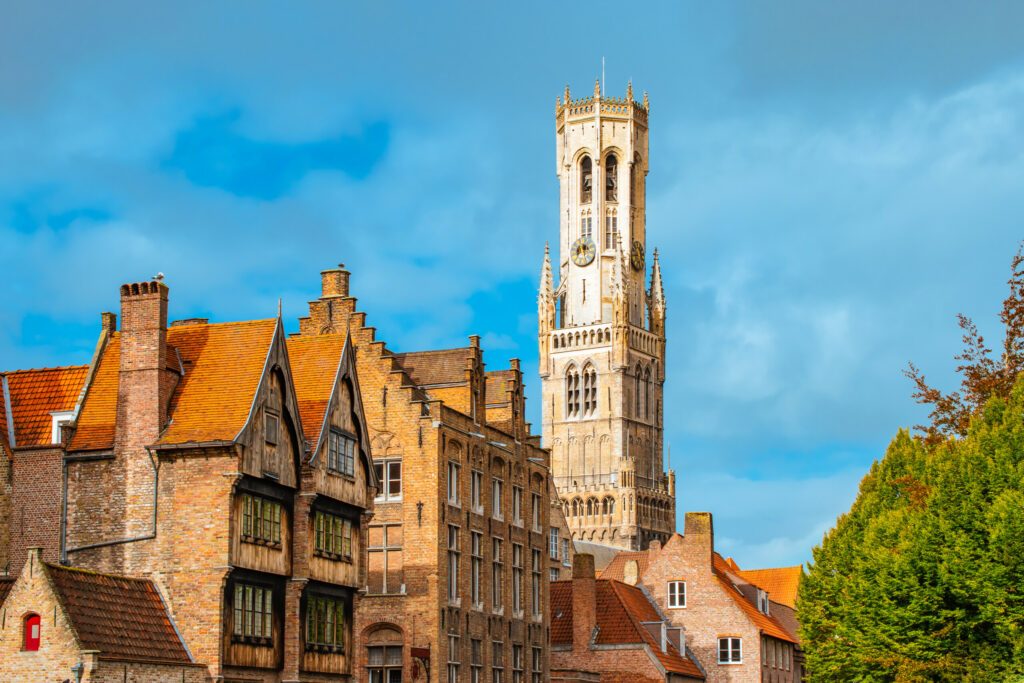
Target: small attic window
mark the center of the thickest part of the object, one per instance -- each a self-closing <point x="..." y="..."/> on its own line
<point x="32" y="632"/>
<point x="762" y="601"/>
<point x="270" y="427"/>
<point x="59" y="419"/>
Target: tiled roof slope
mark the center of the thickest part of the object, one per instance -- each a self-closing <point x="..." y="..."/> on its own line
<point x="123" y="618"/>
<point x="6" y="583"/>
<point x="781" y="583"/>
<point x="768" y="625"/>
<point x="34" y="394"/>
<point x="620" y="610"/>
<point x="314" y="361"/>
<point x="495" y="385"/>
<point x="223" y="364"/>
<point x="428" y="368"/>
<point x="616" y="569"/>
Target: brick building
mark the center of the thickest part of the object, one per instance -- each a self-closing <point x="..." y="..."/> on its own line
<point x="736" y="629"/>
<point x="224" y="463"/>
<point x="463" y="543"/>
<point x="605" y="630"/>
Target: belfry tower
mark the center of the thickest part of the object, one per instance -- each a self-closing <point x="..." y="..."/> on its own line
<point x="602" y="330"/>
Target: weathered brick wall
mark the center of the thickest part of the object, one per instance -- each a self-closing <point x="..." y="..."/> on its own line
<point x="6" y="477"/>
<point x="35" y="504"/>
<point x="136" y="672"/>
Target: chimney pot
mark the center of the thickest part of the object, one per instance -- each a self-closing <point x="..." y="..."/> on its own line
<point x="334" y="282"/>
<point x="108" y="322"/>
<point x="474" y="341"/>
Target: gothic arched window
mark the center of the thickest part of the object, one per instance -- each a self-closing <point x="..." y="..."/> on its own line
<point x="586" y="179"/>
<point x="589" y="390"/>
<point x="647" y="392"/>
<point x="611" y="178"/>
<point x="572" y="392"/>
<point x="586" y="224"/>
<point x="639" y="389"/>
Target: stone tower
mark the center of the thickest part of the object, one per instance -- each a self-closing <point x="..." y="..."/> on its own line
<point x="602" y="330"/>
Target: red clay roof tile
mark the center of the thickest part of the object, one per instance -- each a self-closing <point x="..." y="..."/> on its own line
<point x="768" y="625"/>
<point x="781" y="583"/>
<point x="430" y="368"/>
<point x="314" y="361"/>
<point x="34" y="394"/>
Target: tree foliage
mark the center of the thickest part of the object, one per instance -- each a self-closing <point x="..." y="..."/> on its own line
<point x="923" y="579"/>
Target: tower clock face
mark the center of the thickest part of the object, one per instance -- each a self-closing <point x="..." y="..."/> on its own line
<point x="636" y="255"/>
<point x="583" y="251"/>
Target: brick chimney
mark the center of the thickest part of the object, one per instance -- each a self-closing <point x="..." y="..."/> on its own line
<point x="699" y="535"/>
<point x="142" y="391"/>
<point x="584" y="600"/>
<point x="334" y="282"/>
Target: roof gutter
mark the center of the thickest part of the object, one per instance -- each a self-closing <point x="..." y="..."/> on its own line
<point x="9" y="411"/>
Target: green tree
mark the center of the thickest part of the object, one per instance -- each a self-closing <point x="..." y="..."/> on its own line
<point x="923" y="579"/>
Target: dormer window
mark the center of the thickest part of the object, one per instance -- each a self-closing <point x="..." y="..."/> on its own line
<point x="59" y="419"/>
<point x="762" y="601"/>
<point x="271" y="426"/>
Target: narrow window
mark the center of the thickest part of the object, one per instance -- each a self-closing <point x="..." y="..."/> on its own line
<point x="535" y="583"/>
<point x="676" y="594"/>
<point x="33" y="624"/>
<point x="517" y="663"/>
<point x="453" y="564"/>
<point x="389" y="476"/>
<point x="762" y="600"/>
<point x="611" y="178"/>
<point x="477" y="560"/>
<point x="384" y="546"/>
<point x="647" y="392"/>
<point x="271" y="423"/>
<point x="476" y="484"/>
<point x="453" y="658"/>
<point x="517" y="506"/>
<point x="538" y="664"/>
<point x="497" y="573"/>
<point x="497" y="661"/>
<point x="535" y="512"/>
<point x="453" y="483"/>
<point x="476" y="661"/>
<point x="497" y="502"/>
<point x="517" y="579"/>
<point x="586" y="179"/>
<point x="553" y="575"/>
<point x="730" y="650"/>
<point x="566" y="560"/>
<point x="611" y="229"/>
<point x="553" y="543"/>
<point x="587" y="224"/>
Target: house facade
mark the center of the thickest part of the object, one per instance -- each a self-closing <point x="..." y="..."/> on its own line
<point x="733" y="627"/>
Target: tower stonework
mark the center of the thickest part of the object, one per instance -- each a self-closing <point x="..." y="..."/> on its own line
<point x="602" y="330"/>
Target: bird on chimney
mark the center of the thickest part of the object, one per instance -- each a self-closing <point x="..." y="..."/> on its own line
<point x="159" y="277"/>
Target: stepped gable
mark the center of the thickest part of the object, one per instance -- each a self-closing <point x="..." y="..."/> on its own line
<point x="123" y="618"/>
<point x="314" y="362"/>
<point x="497" y="391"/>
<point x="32" y="396"/>
<point x="621" y="610"/>
<point x="222" y="364"/>
<point x="445" y="367"/>
<point x="781" y="583"/>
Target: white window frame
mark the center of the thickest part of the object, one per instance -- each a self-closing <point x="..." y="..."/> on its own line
<point x="497" y="498"/>
<point x="385" y="495"/>
<point x="59" y="418"/>
<point x="517" y="505"/>
<point x="734" y="647"/>
<point x="453" y="483"/>
<point x="673" y="597"/>
<point x="454" y="551"/>
<point x="453" y="659"/>
<point x="553" y="544"/>
<point x="762" y="601"/>
<point x="476" y="566"/>
<point x="535" y="503"/>
<point x="476" y="485"/>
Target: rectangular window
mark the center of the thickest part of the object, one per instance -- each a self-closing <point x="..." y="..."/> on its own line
<point x="676" y="594"/>
<point x="261" y="520"/>
<point x="271" y="424"/>
<point x="517" y="579"/>
<point x="497" y="573"/>
<point x="453" y="658"/>
<point x="476" y="484"/>
<point x="497" y="661"/>
<point x="553" y="574"/>
<point x="553" y="543"/>
<point x="453" y="564"/>
<point x="566" y="560"/>
<point x="730" y="650"/>
<point x="497" y="502"/>
<point x="538" y="665"/>
<point x="333" y="536"/>
<point x="253" y="614"/>
<point x="535" y="512"/>
<point x="476" y="661"/>
<point x="517" y="506"/>
<point x="477" y="561"/>
<point x="389" y="478"/>
<point x="535" y="582"/>
<point x="341" y="453"/>
<point x="517" y="663"/>
<point x="762" y="600"/>
<point x="384" y="559"/>
<point x="325" y="624"/>
<point x="384" y="663"/>
<point x="453" y="483"/>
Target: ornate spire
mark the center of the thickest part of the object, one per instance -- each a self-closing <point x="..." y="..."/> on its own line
<point x="629" y="91"/>
<point x="597" y="88"/>
<point x="657" y="298"/>
<point x="647" y="102"/>
<point x="567" y="94"/>
<point x="546" y="293"/>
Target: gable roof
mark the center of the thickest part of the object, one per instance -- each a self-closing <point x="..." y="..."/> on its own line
<point x="33" y="395"/>
<point x="496" y="391"/>
<point x="616" y="569"/>
<point x="781" y="583"/>
<point x="123" y="618"/>
<point x="621" y="611"/>
<point x="223" y="364"/>
<point x="315" y="366"/>
<point x="765" y="622"/>
<point x="432" y="368"/>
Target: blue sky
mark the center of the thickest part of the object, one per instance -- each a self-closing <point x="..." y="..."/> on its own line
<point x="830" y="183"/>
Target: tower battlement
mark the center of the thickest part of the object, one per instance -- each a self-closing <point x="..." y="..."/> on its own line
<point x="612" y="107"/>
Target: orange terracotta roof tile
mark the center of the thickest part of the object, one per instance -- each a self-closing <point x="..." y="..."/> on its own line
<point x="314" y="362"/>
<point x="123" y="618"/>
<point x="616" y="569"/>
<point x="223" y="366"/>
<point x="34" y="394"/>
<point x="621" y="611"/>
<point x="768" y="625"/>
<point x="429" y="368"/>
<point x="781" y="583"/>
<point x="94" y="429"/>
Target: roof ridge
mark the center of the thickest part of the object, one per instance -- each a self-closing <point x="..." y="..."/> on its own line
<point x="423" y="353"/>
<point x="91" y="572"/>
<point x="51" y="368"/>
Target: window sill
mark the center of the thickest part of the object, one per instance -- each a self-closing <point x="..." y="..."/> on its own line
<point x="385" y="501"/>
<point x="478" y="510"/>
<point x="334" y="557"/>
<point x="343" y="475"/>
<point x="729" y="663"/>
<point x="253" y="640"/>
<point x="252" y="540"/>
<point x="325" y="649"/>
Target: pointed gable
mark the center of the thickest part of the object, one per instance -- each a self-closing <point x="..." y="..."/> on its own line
<point x="765" y="622"/>
<point x="31" y="396"/>
<point x="315" y="362"/>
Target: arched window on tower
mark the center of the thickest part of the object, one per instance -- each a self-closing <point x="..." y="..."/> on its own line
<point x="611" y="228"/>
<point x="611" y="178"/>
<point x="639" y="390"/>
<point x="589" y="390"/>
<point x="647" y="392"/>
<point x="586" y="179"/>
<point x="586" y="224"/>
<point x="572" y="392"/>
